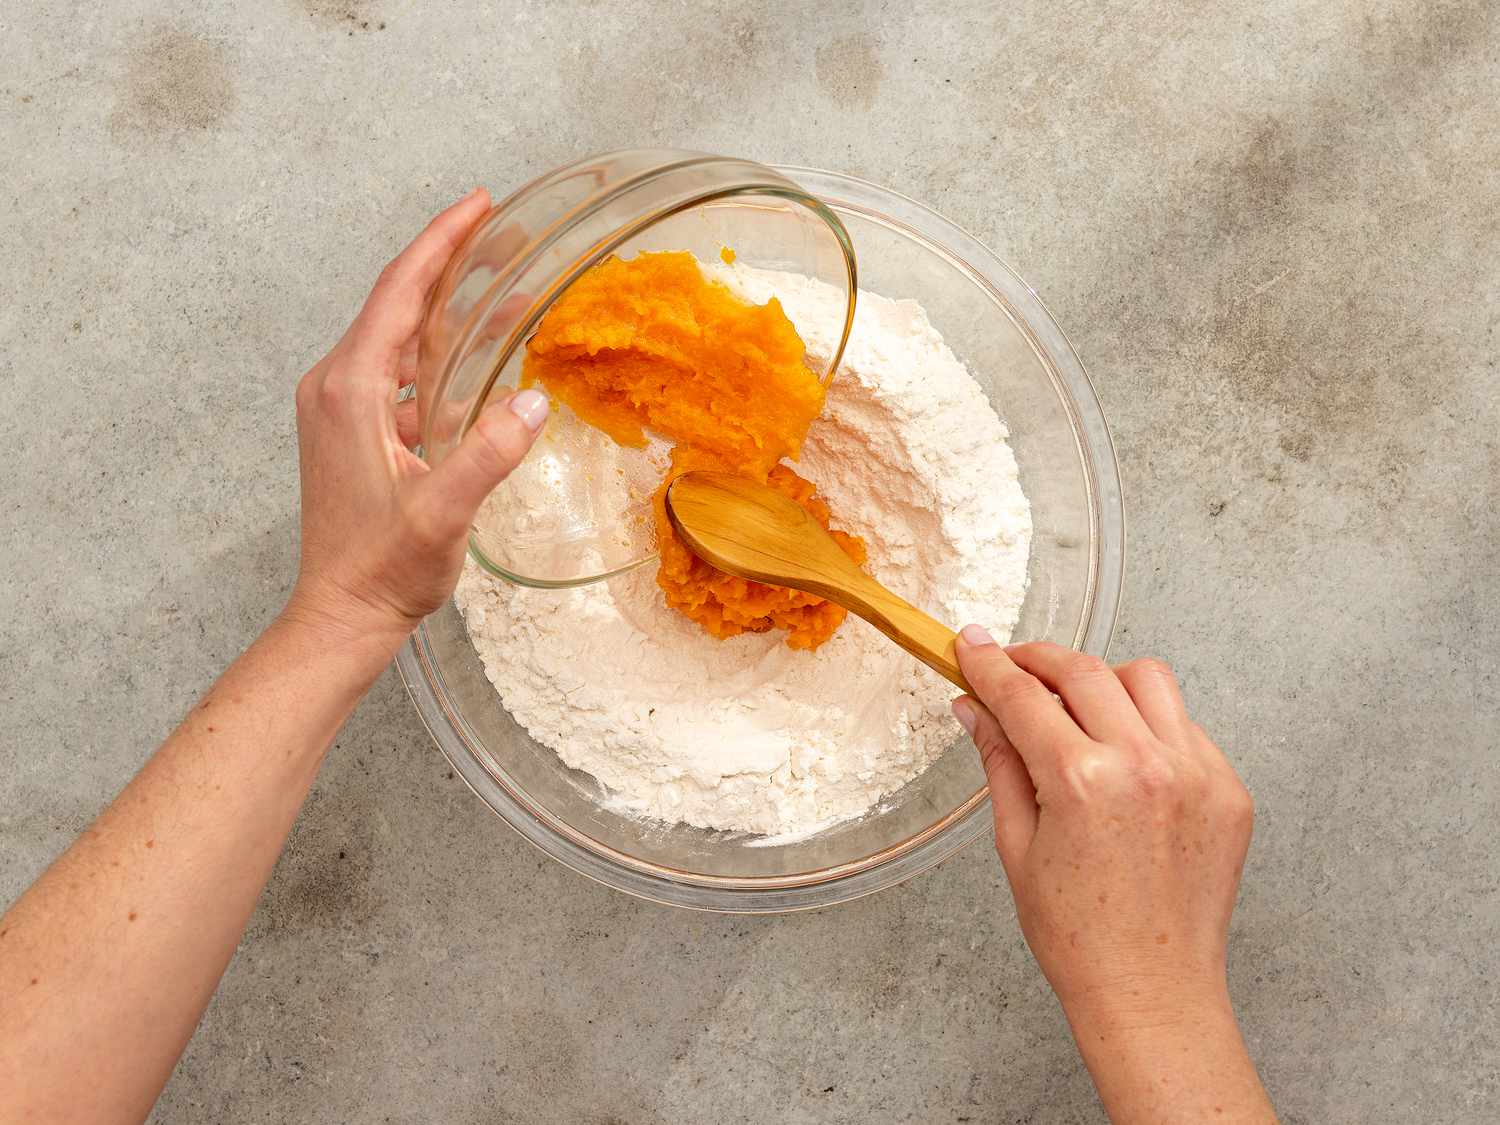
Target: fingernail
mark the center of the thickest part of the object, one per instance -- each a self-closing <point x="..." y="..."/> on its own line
<point x="976" y="635"/>
<point x="530" y="406"/>
<point x="967" y="717"/>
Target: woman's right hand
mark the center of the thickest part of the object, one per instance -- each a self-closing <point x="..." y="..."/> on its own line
<point x="1123" y="831"/>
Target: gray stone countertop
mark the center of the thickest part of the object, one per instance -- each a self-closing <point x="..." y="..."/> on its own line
<point x="1273" y="235"/>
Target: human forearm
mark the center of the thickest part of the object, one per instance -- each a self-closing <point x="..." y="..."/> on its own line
<point x="108" y="961"/>
<point x="1123" y="831"/>
<point x="1171" y="1060"/>
<point x="117" y="948"/>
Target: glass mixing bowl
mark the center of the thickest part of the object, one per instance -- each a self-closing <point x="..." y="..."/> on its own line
<point x="506" y="275"/>
<point x="996" y="325"/>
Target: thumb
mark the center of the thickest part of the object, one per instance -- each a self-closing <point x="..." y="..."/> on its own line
<point x="1012" y="794"/>
<point x="495" y="444"/>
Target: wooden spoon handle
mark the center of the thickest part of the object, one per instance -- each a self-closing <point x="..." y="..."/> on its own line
<point x="928" y="640"/>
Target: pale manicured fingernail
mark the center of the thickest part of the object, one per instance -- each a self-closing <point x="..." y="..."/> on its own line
<point x="976" y="635"/>
<point x="967" y="717"/>
<point x="530" y="406"/>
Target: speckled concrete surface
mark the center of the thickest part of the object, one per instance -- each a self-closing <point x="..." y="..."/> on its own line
<point x="1274" y="237"/>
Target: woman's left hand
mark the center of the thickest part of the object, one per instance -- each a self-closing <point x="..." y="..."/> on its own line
<point x="383" y="533"/>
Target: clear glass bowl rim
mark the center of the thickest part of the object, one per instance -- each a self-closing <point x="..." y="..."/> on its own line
<point x="970" y="820"/>
<point x="675" y="162"/>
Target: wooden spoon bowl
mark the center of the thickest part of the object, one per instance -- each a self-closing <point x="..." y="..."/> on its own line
<point x="752" y="531"/>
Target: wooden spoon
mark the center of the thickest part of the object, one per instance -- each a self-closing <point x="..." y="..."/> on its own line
<point x="752" y="531"/>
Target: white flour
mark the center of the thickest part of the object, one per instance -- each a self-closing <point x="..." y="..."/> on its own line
<point x="745" y="733"/>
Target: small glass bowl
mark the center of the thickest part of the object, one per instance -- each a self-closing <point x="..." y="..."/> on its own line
<point x="996" y="324"/>
<point x="515" y="264"/>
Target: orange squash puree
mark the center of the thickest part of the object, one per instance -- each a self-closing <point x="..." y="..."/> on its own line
<point x="652" y="344"/>
<point x="725" y="605"/>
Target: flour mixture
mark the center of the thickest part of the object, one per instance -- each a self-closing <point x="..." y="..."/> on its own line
<point x="746" y="733"/>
